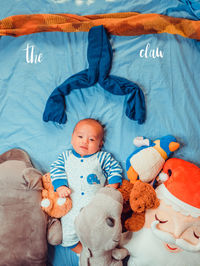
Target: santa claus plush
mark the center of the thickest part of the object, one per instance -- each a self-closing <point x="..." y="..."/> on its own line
<point x="171" y="234"/>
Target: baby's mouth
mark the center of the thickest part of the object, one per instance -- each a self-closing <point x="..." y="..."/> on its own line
<point x="83" y="147"/>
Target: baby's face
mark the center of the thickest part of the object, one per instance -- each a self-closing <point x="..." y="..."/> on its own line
<point x="87" y="137"/>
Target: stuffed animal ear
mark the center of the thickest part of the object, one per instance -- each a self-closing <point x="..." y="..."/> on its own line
<point x="135" y="222"/>
<point x="146" y="194"/>
<point x="156" y="204"/>
<point x="16" y="154"/>
<point x="32" y="179"/>
<point x="125" y="189"/>
<point x="54" y="232"/>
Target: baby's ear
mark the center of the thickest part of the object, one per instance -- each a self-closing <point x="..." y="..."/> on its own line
<point x="101" y="144"/>
<point x="156" y="204"/>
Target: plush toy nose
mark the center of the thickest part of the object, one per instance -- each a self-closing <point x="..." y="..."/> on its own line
<point x="173" y="146"/>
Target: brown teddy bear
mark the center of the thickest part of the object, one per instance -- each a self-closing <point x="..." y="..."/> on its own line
<point x="137" y="198"/>
<point x="51" y="203"/>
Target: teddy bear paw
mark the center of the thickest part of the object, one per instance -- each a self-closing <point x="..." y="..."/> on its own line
<point x="61" y="201"/>
<point x="45" y="203"/>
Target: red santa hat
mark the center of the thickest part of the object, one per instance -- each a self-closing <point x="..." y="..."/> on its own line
<point x="182" y="186"/>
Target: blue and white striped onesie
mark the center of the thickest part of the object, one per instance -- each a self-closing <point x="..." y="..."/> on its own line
<point x="84" y="176"/>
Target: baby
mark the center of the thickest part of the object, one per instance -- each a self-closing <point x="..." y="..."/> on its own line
<point x="80" y="172"/>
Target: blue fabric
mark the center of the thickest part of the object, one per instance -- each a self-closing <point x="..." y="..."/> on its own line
<point x="177" y="8"/>
<point x="79" y="156"/>
<point x="73" y="245"/>
<point x="61" y="256"/>
<point x="59" y="182"/>
<point x="193" y="6"/>
<point x="100" y="60"/>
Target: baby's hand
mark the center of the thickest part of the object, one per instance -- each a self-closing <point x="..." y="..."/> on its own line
<point x="116" y="185"/>
<point x="63" y="191"/>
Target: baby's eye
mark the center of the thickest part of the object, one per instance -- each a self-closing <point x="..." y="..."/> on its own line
<point x="80" y="136"/>
<point x="196" y="235"/>
<point x="160" y="221"/>
<point x="91" y="139"/>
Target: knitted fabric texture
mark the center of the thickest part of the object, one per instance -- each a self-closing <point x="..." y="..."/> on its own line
<point x="100" y="60"/>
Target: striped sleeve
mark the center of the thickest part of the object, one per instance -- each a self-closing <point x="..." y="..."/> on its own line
<point x="57" y="171"/>
<point x="112" y="168"/>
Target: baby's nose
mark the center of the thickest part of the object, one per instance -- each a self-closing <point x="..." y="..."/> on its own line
<point x="85" y="140"/>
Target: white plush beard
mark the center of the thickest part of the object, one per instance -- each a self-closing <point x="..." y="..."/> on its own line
<point x="147" y="250"/>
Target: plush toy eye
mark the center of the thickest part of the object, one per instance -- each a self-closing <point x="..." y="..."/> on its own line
<point x="196" y="235"/>
<point x="110" y="221"/>
<point x="160" y="221"/>
<point x="169" y="172"/>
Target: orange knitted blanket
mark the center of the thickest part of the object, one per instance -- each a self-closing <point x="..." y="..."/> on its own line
<point x="126" y="24"/>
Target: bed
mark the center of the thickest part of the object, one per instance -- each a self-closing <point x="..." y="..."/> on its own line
<point x="155" y="46"/>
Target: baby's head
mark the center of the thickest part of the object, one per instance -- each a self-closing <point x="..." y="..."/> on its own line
<point x="87" y="137"/>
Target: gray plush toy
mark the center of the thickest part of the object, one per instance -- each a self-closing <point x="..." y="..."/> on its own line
<point x="99" y="229"/>
<point x="25" y="228"/>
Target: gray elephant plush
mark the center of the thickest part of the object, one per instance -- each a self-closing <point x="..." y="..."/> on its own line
<point x="99" y="229"/>
<point x="25" y="228"/>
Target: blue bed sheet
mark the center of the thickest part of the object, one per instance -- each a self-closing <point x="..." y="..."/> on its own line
<point x="176" y="8"/>
<point x="169" y="82"/>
